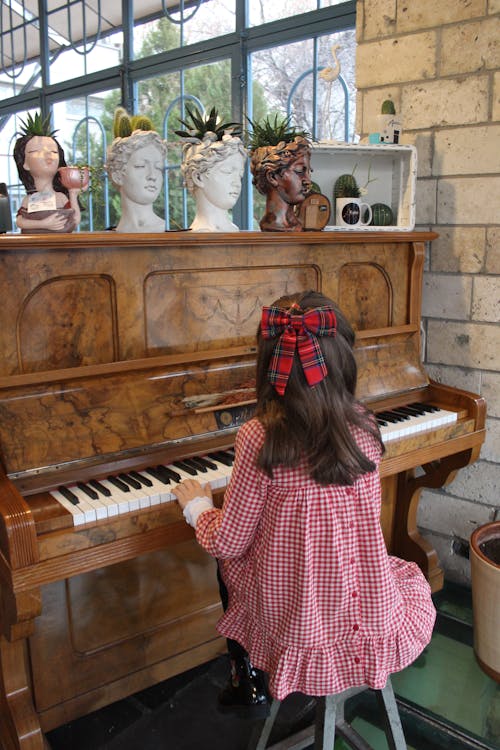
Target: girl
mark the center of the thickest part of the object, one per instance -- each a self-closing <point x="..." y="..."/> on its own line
<point x="313" y="595"/>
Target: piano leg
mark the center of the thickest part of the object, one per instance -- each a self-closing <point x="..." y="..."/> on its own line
<point x="19" y="722"/>
<point x="407" y="542"/>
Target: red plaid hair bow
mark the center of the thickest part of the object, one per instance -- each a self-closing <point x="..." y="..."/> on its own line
<point x="297" y="332"/>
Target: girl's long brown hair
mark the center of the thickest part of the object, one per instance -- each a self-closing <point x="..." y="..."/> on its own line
<point x="316" y="422"/>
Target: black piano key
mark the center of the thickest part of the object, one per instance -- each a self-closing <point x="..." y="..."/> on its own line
<point x="166" y="471"/>
<point x="196" y="463"/>
<point x="157" y="475"/>
<point x="390" y="417"/>
<point x="144" y="481"/>
<point x="206" y="462"/>
<point x="88" y="490"/>
<point x="100" y="488"/>
<point x="186" y="467"/>
<point x="418" y="408"/>
<point x="118" y="483"/>
<point x="424" y="408"/>
<point x="382" y="422"/>
<point x="400" y="413"/>
<point x="222" y="457"/>
<point x="69" y="495"/>
<point x="430" y="407"/>
<point x="411" y="411"/>
<point x="130" y="480"/>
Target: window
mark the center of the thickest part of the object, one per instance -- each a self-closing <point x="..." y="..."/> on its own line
<point x="79" y="60"/>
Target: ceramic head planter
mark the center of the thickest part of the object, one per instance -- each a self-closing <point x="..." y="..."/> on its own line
<point x="135" y="164"/>
<point x="48" y="206"/>
<point x="214" y="159"/>
<point x="280" y="163"/>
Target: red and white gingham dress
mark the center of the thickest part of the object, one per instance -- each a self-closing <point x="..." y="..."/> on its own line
<point x="313" y="595"/>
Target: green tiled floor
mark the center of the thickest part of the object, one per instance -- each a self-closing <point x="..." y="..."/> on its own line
<point x="446" y="700"/>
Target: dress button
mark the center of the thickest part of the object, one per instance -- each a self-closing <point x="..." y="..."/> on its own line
<point x="357" y="659"/>
<point x="355" y="627"/>
<point x="354" y="594"/>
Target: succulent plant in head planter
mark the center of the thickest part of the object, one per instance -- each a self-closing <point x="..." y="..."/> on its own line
<point x="280" y="162"/>
<point x="213" y="163"/>
<point x="136" y="167"/>
<point x="49" y="205"/>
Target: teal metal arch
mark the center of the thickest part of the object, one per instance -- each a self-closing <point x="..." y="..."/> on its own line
<point x="86" y="120"/>
<point x="181" y="99"/>
<point x="340" y="79"/>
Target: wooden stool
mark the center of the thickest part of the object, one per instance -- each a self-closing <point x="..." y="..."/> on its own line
<point x="330" y="720"/>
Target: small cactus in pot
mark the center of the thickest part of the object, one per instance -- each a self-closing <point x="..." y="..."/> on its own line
<point x="346" y="187"/>
<point x="389" y="124"/>
<point x="388" y="107"/>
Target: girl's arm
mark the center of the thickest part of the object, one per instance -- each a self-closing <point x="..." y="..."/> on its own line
<point x="229" y="532"/>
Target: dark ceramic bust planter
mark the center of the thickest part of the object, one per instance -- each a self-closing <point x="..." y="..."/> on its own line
<point x="281" y="170"/>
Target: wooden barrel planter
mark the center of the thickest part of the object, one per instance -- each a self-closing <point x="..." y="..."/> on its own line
<point x="485" y="571"/>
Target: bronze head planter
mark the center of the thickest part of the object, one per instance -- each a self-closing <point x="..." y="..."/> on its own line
<point x="282" y="172"/>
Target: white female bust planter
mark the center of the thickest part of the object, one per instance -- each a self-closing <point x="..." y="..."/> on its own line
<point x="212" y="171"/>
<point x="136" y="168"/>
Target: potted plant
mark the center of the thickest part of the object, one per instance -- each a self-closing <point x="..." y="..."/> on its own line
<point x="280" y="162"/>
<point x="135" y="164"/>
<point x="75" y="176"/>
<point x="350" y="211"/>
<point x="213" y="163"/>
<point x="389" y="125"/>
<point x="49" y="206"/>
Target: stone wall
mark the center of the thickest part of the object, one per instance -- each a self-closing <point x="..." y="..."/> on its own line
<point x="440" y="63"/>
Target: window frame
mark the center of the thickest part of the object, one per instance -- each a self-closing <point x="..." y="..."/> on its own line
<point x="237" y="46"/>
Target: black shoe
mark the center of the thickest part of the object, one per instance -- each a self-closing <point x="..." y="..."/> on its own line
<point x="246" y="693"/>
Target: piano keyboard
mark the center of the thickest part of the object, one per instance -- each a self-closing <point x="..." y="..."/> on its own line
<point x="136" y="490"/>
<point x="404" y="421"/>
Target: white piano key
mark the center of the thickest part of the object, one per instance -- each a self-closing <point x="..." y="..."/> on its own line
<point x="153" y="490"/>
<point x="163" y="490"/>
<point x="100" y="509"/>
<point x="84" y="512"/>
<point x="221" y="475"/>
<point x="110" y="502"/>
<point x="147" y="495"/>
<point x="75" y="510"/>
<point x="135" y="499"/>
<point x="416" y="424"/>
<point x="121" y="498"/>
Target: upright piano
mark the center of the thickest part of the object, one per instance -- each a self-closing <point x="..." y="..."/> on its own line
<point x="123" y="354"/>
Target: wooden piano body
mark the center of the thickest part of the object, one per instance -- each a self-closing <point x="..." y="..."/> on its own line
<point x="123" y="350"/>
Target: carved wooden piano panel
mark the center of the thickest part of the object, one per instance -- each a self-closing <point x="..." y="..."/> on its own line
<point x="126" y="352"/>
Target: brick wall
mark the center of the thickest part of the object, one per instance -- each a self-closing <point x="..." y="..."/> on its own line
<point x="440" y="63"/>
